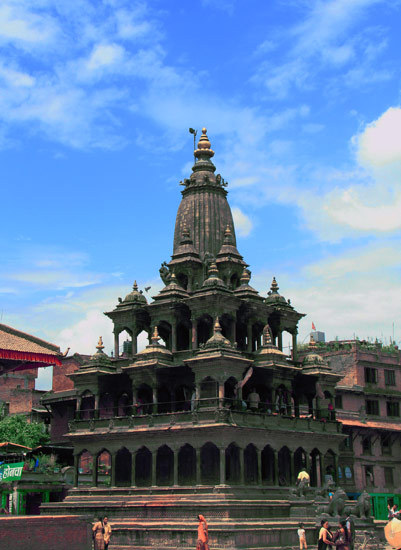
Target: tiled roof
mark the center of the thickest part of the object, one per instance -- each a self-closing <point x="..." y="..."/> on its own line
<point x="372" y="424"/>
<point x="15" y="340"/>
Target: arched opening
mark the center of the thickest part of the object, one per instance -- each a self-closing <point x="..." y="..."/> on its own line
<point x="85" y="466"/>
<point x="143" y="468"/>
<point x="299" y="460"/>
<point x="284" y="466"/>
<point x="125" y="348"/>
<point x="283" y="403"/>
<point x="164" y="466"/>
<point x="230" y="394"/>
<point x="268" y="466"/>
<point x="233" y="468"/>
<point x="210" y="464"/>
<point x="123" y="467"/>
<point x="315" y="478"/>
<point x="124" y="405"/>
<point x="87" y="405"/>
<point x="234" y="281"/>
<point x="208" y="392"/>
<point x="186" y="465"/>
<point x="106" y="406"/>
<point x="183" y="336"/>
<point x="205" y="324"/>
<point x="251" y="465"/>
<point x="329" y="467"/>
<point x="183" y="398"/>
<point x="142" y="340"/>
<point x="330" y="405"/>
<point x="163" y="400"/>
<point x="104" y="468"/>
<point x="164" y="329"/>
<point x="182" y="280"/>
<point x="144" y="400"/>
<point x="227" y="324"/>
<point x="257" y="330"/>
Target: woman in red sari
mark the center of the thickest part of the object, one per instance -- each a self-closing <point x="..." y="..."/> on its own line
<point x="203" y="535"/>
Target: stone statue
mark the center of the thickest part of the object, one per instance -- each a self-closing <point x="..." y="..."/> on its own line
<point x="362" y="509"/>
<point x="165" y="274"/>
<point x="337" y="503"/>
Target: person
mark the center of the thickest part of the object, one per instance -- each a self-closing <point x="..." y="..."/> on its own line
<point x="325" y="536"/>
<point x="107" y="532"/>
<point x="350" y="524"/>
<point x="98" y="535"/>
<point x="203" y="534"/>
<point x="341" y="538"/>
<point x="254" y="400"/>
<point x="302" y="537"/>
<point x="304" y="477"/>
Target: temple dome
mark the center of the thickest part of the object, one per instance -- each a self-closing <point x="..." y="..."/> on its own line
<point x="217" y="340"/>
<point x="135" y="296"/>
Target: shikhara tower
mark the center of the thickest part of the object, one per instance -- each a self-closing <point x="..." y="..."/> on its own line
<point x="176" y="419"/>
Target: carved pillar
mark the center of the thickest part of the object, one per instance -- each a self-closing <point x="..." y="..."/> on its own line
<point x="175" y="468"/>
<point x="134" y="400"/>
<point x="307" y="462"/>
<point x="134" y="341"/>
<point x="275" y="467"/>
<point x="133" y="468"/>
<point x="336" y="469"/>
<point x="222" y="466"/>
<point x="249" y="336"/>
<point x="154" y="399"/>
<point x="174" y="336"/>
<point x="232" y="331"/>
<point x="259" y="455"/>
<point x="94" y="471"/>
<point x="198" y="466"/>
<point x="76" y="465"/>
<point x="96" y="411"/>
<point x="292" y="468"/>
<point x="322" y="470"/>
<point x="241" y="466"/>
<point x="194" y="339"/>
<point x="221" y="394"/>
<point x="154" y="464"/>
<point x="78" y="405"/>
<point x="294" y="345"/>
<point x="280" y="340"/>
<point x="116" y="344"/>
<point x="113" y="470"/>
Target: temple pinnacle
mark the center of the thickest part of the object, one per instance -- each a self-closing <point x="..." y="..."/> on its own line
<point x="100" y="345"/>
<point x="274" y="286"/>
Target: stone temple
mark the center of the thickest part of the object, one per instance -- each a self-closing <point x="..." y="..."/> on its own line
<point x="212" y="417"/>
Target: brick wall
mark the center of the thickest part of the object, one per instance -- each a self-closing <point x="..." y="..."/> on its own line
<point x="61" y="382"/>
<point x="45" y="533"/>
<point x="18" y="389"/>
<point x="62" y="414"/>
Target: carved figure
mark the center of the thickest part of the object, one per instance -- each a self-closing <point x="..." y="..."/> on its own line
<point x="165" y="274"/>
<point x="337" y="503"/>
<point x="362" y="508"/>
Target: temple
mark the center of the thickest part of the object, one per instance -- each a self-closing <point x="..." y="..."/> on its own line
<point x="212" y="416"/>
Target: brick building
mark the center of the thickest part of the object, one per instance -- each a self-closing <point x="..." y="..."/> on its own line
<point x="367" y="403"/>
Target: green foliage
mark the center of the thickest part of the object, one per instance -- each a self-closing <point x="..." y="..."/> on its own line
<point x="16" y="429"/>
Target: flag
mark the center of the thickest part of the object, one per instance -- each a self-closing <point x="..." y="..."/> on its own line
<point x="313" y="326"/>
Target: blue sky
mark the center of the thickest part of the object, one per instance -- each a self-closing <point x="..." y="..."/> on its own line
<point x="301" y="99"/>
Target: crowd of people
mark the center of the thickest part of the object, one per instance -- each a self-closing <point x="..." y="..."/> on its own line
<point x="342" y="539"/>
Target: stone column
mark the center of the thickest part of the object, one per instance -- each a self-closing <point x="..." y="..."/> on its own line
<point x="175" y="482"/>
<point x="134" y="400"/>
<point x="232" y="331"/>
<point x="292" y="468"/>
<point x="96" y="411"/>
<point x="154" y="464"/>
<point x="116" y="344"/>
<point x="133" y="467"/>
<point x="78" y="404"/>
<point x="198" y="466"/>
<point x="259" y="454"/>
<point x="94" y="471"/>
<point x="221" y="394"/>
<point x="294" y="345"/>
<point x="113" y="470"/>
<point x="154" y="399"/>
<point x="307" y="462"/>
<point x="275" y="467"/>
<point x="322" y="470"/>
<point x="222" y="466"/>
<point x="280" y="340"/>
<point x="76" y="465"/>
<point x="336" y="469"/>
<point x="134" y="341"/>
<point x="241" y="466"/>
<point x="174" y="336"/>
<point x="194" y="339"/>
<point x="249" y="336"/>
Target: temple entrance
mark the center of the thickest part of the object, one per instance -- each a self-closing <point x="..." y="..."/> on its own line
<point x="187" y="465"/>
<point x="164" y="466"/>
<point x="85" y="468"/>
<point x="233" y="468"/>
<point x="284" y="467"/>
<point x="104" y="468"/>
<point x="210" y="464"/>
<point x="268" y="466"/>
<point x="143" y="468"/>
<point x="123" y="468"/>
<point x="251" y="464"/>
<point x="87" y="405"/>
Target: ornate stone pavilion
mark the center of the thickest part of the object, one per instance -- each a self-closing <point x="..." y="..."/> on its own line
<point x="211" y="417"/>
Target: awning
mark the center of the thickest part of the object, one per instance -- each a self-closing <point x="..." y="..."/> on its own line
<point x="371" y="424"/>
<point x="30" y="357"/>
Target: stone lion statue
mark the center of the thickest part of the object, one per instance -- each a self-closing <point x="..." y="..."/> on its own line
<point x="337" y="503"/>
<point x="362" y="508"/>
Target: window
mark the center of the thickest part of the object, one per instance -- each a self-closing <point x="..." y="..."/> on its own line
<point x="389" y="476"/>
<point x="369" y="478"/>
<point x="389" y="377"/>
<point x="348" y="472"/>
<point x="372" y="406"/>
<point x="366" y="445"/>
<point x="338" y="402"/>
<point x="393" y="408"/>
<point x="370" y="375"/>
<point x="385" y="440"/>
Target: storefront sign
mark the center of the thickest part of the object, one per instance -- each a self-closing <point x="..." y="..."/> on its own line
<point x="11" y="472"/>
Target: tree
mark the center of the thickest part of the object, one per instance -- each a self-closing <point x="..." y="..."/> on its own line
<point x="17" y="429"/>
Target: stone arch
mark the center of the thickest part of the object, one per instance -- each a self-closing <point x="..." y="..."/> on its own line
<point x="233" y="465"/>
<point x="204" y="328"/>
<point x="165" y="330"/>
<point x="227" y="323"/>
<point x="251" y="465"/>
<point x="123" y="467"/>
<point x="85" y="468"/>
<point x="234" y="281"/>
<point x="210" y="464"/>
<point x="187" y="465"/>
<point x="124" y="405"/>
<point x="182" y="279"/>
<point x="183" y="332"/>
<point x="284" y="466"/>
<point x="164" y="466"/>
<point x="330" y="465"/>
<point x="144" y="399"/>
<point x="268" y="469"/>
<point x="300" y="460"/>
<point x="87" y="405"/>
<point x="106" y="406"/>
<point x="257" y="330"/>
<point x="143" y="467"/>
<point x="103" y="467"/>
<point x="315" y="474"/>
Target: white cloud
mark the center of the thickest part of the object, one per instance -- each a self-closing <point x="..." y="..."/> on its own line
<point x="104" y="55"/>
<point x="380" y="141"/>
<point x="243" y="225"/>
<point x="20" y="24"/>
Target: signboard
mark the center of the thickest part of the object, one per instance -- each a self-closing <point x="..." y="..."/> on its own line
<point x="11" y="472"/>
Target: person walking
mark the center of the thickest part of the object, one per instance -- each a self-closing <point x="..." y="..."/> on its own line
<point x="302" y="537"/>
<point x="203" y="534"/>
<point x="98" y="535"/>
<point x="107" y="533"/>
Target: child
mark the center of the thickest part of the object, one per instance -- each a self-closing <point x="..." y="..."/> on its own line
<point x="302" y="537"/>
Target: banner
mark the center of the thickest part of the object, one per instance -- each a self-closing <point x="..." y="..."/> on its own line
<point x="11" y="472"/>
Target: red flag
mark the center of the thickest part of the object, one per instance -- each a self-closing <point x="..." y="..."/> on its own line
<point x="313" y="326"/>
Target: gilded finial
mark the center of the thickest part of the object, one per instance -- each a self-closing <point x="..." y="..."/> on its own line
<point x="213" y="271"/>
<point x="245" y="277"/>
<point x="267" y="336"/>
<point x="155" y="336"/>
<point x="312" y="343"/>
<point x="100" y="345"/>
<point x="217" y="327"/>
<point x="274" y="286"/>
<point x="135" y="286"/>
<point x="204" y="150"/>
